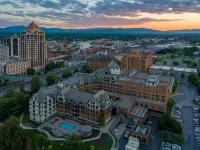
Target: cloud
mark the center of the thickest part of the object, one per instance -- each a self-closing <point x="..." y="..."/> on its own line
<point x="97" y="12"/>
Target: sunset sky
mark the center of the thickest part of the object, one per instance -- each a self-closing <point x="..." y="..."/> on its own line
<point x="153" y="14"/>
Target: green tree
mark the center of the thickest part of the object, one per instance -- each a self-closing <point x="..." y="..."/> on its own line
<point x="75" y="142"/>
<point x="182" y="75"/>
<point x="50" y="66"/>
<point x="101" y="121"/>
<point x="10" y="93"/>
<point x="51" y="79"/>
<point x="175" y="63"/>
<point x="30" y="71"/>
<point x="11" y="135"/>
<point x="165" y="62"/>
<point x="67" y="74"/>
<point x="87" y="69"/>
<point x="198" y="89"/>
<point x="60" y="64"/>
<point x="8" y="107"/>
<point x="92" y="147"/>
<point x="36" y="83"/>
<point x="193" y="79"/>
<point x="50" y="147"/>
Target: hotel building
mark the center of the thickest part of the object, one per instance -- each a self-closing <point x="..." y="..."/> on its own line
<point x="134" y="60"/>
<point x="73" y="98"/>
<point x="32" y="46"/>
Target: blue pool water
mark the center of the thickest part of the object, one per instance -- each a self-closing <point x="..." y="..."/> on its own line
<point x="66" y="126"/>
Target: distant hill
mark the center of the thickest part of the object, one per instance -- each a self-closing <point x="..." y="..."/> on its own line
<point x="17" y="29"/>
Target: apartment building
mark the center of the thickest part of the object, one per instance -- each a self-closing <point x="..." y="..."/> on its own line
<point x="42" y="105"/>
<point x="13" y="43"/>
<point x="32" y="46"/>
<point x="148" y="91"/>
<point x="134" y="60"/>
<point x="16" y="67"/>
<point x="84" y="106"/>
<point x="4" y="52"/>
<point x="67" y="102"/>
<point x="98" y="61"/>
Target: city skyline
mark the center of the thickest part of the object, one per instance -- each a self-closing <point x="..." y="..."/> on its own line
<point x="75" y="14"/>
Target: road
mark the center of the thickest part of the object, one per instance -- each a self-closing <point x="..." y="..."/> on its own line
<point x="184" y="97"/>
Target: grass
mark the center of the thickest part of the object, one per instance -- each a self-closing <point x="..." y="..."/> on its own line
<point x="32" y="134"/>
<point x="105" y="141"/>
<point x="175" y="86"/>
<point x="26" y="117"/>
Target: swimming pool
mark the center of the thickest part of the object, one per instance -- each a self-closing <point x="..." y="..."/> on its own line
<point x="66" y="126"/>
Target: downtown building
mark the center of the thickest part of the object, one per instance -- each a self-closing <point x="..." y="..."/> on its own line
<point x="4" y="53"/>
<point x="134" y="60"/>
<point x="67" y="102"/>
<point x="32" y="46"/>
<point x="13" y="43"/>
<point x="85" y="96"/>
<point x="98" y="62"/>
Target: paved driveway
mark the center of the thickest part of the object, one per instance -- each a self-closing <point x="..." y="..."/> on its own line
<point x="184" y="95"/>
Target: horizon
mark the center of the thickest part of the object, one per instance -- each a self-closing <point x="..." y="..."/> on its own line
<point x="95" y="28"/>
<point x="86" y="14"/>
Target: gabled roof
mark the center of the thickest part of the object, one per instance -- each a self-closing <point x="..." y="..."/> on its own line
<point x="113" y="65"/>
<point x="33" y="26"/>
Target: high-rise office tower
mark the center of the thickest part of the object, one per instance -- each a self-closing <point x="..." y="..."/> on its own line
<point x="4" y="52"/>
<point x="13" y="43"/>
<point x="32" y="46"/>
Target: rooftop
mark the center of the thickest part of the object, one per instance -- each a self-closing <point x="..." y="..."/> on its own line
<point x="190" y="70"/>
<point x="33" y="26"/>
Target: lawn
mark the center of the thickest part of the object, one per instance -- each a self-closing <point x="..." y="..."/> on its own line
<point x="26" y="117"/>
<point x="32" y="134"/>
<point x="105" y="141"/>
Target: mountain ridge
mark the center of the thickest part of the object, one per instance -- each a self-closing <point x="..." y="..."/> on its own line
<point x="17" y="29"/>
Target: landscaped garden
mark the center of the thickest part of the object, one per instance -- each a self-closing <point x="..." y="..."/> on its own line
<point x="104" y="141"/>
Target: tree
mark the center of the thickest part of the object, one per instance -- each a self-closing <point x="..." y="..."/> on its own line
<point x="92" y="147"/>
<point x="101" y="121"/>
<point x="11" y="135"/>
<point x="50" y="66"/>
<point x="30" y="71"/>
<point x="10" y="93"/>
<point x="87" y="69"/>
<point x="193" y="79"/>
<point x="60" y="64"/>
<point x="175" y="63"/>
<point x="165" y="62"/>
<point x="182" y="75"/>
<point x="67" y="74"/>
<point x="51" y="79"/>
<point x="50" y="147"/>
<point x="75" y="142"/>
<point x="35" y="83"/>
<point x="198" y="89"/>
<point x="8" y="107"/>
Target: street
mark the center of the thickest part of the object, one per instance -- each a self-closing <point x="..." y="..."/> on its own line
<point x="184" y="97"/>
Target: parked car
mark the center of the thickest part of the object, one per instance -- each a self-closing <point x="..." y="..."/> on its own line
<point x="127" y="134"/>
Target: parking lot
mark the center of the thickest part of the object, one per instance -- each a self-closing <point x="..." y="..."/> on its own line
<point x="184" y="97"/>
<point x="196" y="127"/>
